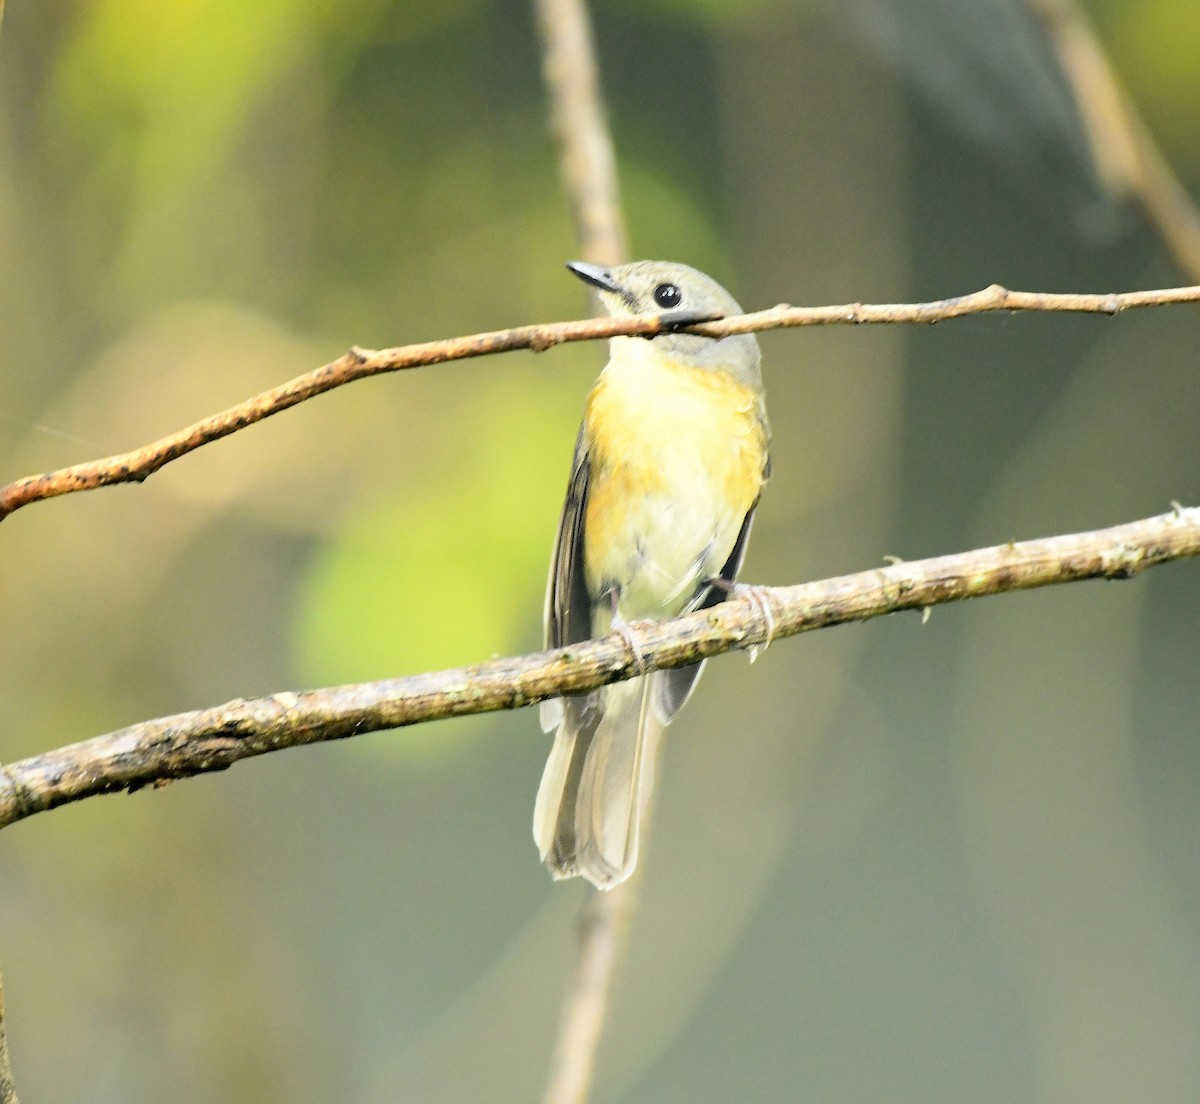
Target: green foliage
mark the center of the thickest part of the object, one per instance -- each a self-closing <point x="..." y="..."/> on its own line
<point x="446" y="566"/>
<point x="861" y="837"/>
<point x="1155" y="44"/>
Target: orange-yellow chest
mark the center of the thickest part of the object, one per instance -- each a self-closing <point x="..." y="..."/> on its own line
<point x="677" y="458"/>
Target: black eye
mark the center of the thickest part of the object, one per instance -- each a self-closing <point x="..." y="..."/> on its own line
<point x="667" y="296"/>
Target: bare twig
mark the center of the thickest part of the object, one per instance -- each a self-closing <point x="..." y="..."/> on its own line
<point x="139" y="464"/>
<point x="8" y="1091"/>
<point x="586" y="157"/>
<point x="589" y="175"/>
<point x="214" y="739"/>
<point x="1127" y="157"/>
<point x="603" y="930"/>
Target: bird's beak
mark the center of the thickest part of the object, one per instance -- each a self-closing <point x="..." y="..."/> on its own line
<point x="595" y="275"/>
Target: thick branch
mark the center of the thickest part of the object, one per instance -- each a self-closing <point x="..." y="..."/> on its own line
<point x="213" y="739"/>
<point x="139" y="464"/>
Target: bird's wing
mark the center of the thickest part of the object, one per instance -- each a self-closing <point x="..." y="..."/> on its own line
<point x="568" y="615"/>
<point x="673" y="686"/>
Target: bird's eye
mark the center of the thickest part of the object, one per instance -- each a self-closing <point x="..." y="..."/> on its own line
<point x="667" y="296"/>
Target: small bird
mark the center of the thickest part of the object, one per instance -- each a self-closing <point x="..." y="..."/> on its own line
<point x="672" y="455"/>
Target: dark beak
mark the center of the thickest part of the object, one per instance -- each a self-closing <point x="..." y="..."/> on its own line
<point x="595" y="275"/>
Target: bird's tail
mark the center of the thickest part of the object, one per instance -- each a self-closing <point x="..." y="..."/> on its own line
<point x="597" y="783"/>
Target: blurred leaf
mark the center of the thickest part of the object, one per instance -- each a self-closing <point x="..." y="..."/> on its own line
<point x="718" y="12"/>
<point x="447" y="570"/>
<point x="1155" y="44"/>
<point x="989" y="70"/>
<point x="168" y="84"/>
<point x="148" y="104"/>
<point x="357" y="22"/>
<point x="668" y="222"/>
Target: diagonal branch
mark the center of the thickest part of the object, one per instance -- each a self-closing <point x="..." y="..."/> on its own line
<point x="214" y="739"/>
<point x="1126" y="155"/>
<point x="139" y="464"/>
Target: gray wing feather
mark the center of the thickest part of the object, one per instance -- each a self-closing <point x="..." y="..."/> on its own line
<point x="568" y="614"/>
<point x="673" y="687"/>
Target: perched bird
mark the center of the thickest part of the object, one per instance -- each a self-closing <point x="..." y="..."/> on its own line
<point x="671" y="458"/>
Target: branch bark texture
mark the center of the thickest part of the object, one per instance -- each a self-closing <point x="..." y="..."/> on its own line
<point x="139" y="464"/>
<point x="157" y="751"/>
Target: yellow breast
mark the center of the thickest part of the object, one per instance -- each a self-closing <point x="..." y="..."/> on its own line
<point x="678" y="456"/>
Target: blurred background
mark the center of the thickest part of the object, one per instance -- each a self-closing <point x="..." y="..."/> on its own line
<point x="893" y="861"/>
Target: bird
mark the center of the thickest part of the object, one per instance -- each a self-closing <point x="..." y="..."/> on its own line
<point x="672" y="455"/>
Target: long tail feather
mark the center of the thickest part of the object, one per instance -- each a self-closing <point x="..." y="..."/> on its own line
<point x="596" y="785"/>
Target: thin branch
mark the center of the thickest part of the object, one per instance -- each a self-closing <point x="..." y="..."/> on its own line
<point x="8" y="1091"/>
<point x="139" y="464"/>
<point x="603" y="930"/>
<point x="586" y="157"/>
<point x="187" y="744"/>
<point x="588" y="166"/>
<point x="1127" y="157"/>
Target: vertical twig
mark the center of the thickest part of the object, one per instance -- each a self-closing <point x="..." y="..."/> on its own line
<point x="588" y="166"/>
<point x="586" y="157"/>
<point x="1126" y="156"/>
<point x="603" y="927"/>
<point x="8" y="1092"/>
